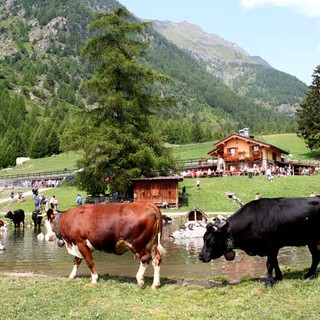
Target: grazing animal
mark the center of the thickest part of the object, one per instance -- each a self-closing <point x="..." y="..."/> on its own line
<point x="166" y="219"/>
<point x="262" y="227"/>
<point x="16" y="216"/>
<point x="112" y="228"/>
<point x="37" y="218"/>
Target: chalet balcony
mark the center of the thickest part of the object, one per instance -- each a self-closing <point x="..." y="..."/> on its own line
<point x="243" y="156"/>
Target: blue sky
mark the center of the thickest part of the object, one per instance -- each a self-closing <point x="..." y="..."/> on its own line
<point x="286" y="33"/>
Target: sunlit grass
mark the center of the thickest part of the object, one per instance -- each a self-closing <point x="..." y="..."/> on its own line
<point x="120" y="298"/>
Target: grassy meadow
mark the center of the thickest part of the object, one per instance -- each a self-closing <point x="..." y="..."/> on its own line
<point x="32" y="296"/>
<point x="289" y="142"/>
<point x="120" y="298"/>
<point x="212" y="195"/>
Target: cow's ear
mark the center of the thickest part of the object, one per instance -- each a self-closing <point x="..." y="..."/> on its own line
<point x="50" y="215"/>
<point x="211" y="227"/>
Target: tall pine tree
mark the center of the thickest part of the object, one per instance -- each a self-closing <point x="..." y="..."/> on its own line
<point x="308" y="114"/>
<point x="115" y="133"/>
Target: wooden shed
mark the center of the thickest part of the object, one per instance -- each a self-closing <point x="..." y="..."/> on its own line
<point x="162" y="191"/>
<point x="196" y="215"/>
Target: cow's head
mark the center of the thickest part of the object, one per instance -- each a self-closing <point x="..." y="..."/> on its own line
<point x="217" y="242"/>
<point x="9" y="215"/>
<point x="52" y="225"/>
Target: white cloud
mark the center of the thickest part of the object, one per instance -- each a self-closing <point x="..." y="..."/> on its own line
<point x="310" y="8"/>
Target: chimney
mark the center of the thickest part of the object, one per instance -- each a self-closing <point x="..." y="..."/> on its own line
<point x="244" y="132"/>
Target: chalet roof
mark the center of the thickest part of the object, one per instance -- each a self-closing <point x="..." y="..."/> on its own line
<point x="247" y="139"/>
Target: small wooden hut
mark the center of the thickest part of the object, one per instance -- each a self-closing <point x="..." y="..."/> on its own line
<point x="162" y="191"/>
<point x="197" y="215"/>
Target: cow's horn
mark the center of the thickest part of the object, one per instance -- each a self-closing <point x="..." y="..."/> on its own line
<point x="222" y="224"/>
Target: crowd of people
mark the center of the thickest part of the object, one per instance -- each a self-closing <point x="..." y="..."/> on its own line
<point x="270" y="171"/>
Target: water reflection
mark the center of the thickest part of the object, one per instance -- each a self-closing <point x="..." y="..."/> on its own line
<point x="25" y="253"/>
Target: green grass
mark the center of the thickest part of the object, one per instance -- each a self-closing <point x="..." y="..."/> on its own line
<point x="66" y="196"/>
<point x="54" y="163"/>
<point x="211" y="197"/>
<point x="289" y="142"/>
<point x="192" y="151"/>
<point x="31" y="297"/>
<point x="119" y="298"/>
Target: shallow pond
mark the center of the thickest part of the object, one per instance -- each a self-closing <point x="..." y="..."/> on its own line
<point x="25" y="253"/>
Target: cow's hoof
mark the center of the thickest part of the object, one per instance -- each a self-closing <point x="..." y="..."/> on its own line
<point x="277" y="279"/>
<point x="269" y="283"/>
<point x="311" y="277"/>
<point x="155" y="286"/>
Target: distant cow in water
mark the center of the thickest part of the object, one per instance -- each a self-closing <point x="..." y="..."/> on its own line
<point x="16" y="216"/>
<point x="112" y="228"/>
<point x="37" y="218"/>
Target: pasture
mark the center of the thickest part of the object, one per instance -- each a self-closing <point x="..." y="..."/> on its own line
<point x="211" y="196"/>
<point x="289" y="142"/>
<point x="34" y="296"/>
<point x="40" y="297"/>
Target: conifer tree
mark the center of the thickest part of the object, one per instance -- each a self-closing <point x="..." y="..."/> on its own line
<point x="308" y="114"/>
<point x="115" y="133"/>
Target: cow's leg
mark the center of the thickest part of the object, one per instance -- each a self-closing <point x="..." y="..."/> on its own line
<point x="156" y="267"/>
<point x="76" y="264"/>
<point x="87" y="255"/>
<point x="272" y="263"/>
<point x="156" y="275"/>
<point x="314" y="250"/>
<point x="140" y="274"/>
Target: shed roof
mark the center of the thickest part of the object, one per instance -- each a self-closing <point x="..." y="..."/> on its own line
<point x="178" y="178"/>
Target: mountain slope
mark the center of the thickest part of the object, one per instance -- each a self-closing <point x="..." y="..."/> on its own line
<point x="41" y="71"/>
<point x="248" y="76"/>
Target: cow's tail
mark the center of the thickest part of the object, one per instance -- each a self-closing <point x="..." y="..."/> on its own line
<point x="162" y="250"/>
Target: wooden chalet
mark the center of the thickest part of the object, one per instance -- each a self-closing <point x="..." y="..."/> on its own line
<point x="162" y="191"/>
<point x="239" y="152"/>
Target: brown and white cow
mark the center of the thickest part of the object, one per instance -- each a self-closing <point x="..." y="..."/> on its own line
<point x="112" y="228"/>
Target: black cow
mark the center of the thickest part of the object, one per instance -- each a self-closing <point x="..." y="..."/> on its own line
<point x="264" y="226"/>
<point x="37" y="218"/>
<point x="16" y="216"/>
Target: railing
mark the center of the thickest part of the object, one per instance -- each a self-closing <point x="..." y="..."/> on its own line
<point x="196" y="163"/>
<point x="37" y="175"/>
<point x="26" y="179"/>
<point x="243" y="156"/>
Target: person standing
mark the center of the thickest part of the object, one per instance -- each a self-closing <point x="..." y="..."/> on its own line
<point x="54" y="203"/>
<point x="12" y="196"/>
<point x="79" y="200"/>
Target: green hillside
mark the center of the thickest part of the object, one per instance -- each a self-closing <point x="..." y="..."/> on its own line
<point x="41" y="72"/>
<point x="290" y="142"/>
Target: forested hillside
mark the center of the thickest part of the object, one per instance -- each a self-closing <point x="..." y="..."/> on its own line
<point x="41" y="71"/>
<point x="248" y="76"/>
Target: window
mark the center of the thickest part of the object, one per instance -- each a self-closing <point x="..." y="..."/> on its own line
<point x="232" y="151"/>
